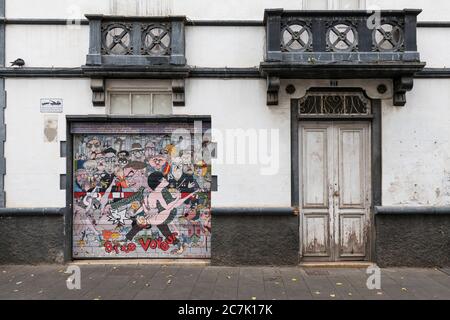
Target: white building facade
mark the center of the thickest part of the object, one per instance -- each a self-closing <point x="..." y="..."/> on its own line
<point x="320" y="131"/>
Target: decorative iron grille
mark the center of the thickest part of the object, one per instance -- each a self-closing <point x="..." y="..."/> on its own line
<point x="156" y="39"/>
<point x="116" y="39"/>
<point x="388" y="37"/>
<point x="139" y="41"/>
<point x="319" y="103"/>
<point x="296" y="36"/>
<point x="292" y="35"/>
<point x="342" y="36"/>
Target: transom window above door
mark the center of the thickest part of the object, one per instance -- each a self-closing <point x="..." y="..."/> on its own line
<point x="342" y="104"/>
<point x="140" y="103"/>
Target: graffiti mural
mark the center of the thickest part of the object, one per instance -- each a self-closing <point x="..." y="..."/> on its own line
<point x="139" y="196"/>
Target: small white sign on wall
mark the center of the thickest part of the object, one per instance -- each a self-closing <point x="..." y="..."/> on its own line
<point x="51" y="105"/>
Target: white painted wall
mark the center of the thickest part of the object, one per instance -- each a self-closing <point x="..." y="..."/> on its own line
<point x="235" y="104"/>
<point x="67" y="46"/>
<point x="416" y="138"/>
<point x="416" y="146"/>
<point x="205" y="46"/>
<point x="433" y="47"/>
<point x="225" y="46"/>
<point x="196" y="9"/>
<point x="33" y="166"/>
<point x="47" y="46"/>
<point x="433" y="10"/>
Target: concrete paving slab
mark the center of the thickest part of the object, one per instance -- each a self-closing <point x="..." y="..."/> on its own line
<point x="197" y="282"/>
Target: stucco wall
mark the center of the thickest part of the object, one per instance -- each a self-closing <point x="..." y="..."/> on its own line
<point x="225" y="46"/>
<point x="241" y="104"/>
<point x="235" y="244"/>
<point x="412" y="175"/>
<point x="33" y="165"/>
<point x="47" y="46"/>
<point x="424" y="240"/>
<point x="416" y="147"/>
<point x="416" y="159"/>
<point x="31" y="239"/>
<point x="197" y="9"/>
<point x="430" y="45"/>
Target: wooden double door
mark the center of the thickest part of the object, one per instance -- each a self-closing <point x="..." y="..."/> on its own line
<point x="335" y="190"/>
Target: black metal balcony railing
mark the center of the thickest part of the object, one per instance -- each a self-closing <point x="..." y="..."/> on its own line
<point x="136" y="41"/>
<point x="341" y="44"/>
<point x="136" y="47"/>
<point x="348" y="36"/>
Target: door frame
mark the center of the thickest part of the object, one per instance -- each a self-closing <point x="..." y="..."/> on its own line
<point x="375" y="123"/>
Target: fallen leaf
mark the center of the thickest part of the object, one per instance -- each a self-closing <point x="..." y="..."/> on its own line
<point x="253" y="298"/>
<point x="134" y="282"/>
<point x="404" y="289"/>
<point x="147" y="284"/>
<point x="228" y="277"/>
<point x="379" y="293"/>
<point x="338" y="283"/>
<point x="332" y="295"/>
<point x="31" y="275"/>
<point x="169" y="281"/>
<point x="350" y="294"/>
<point x="15" y="290"/>
<point x="20" y="282"/>
<point x="276" y="282"/>
<point x="294" y="279"/>
<point x="317" y="292"/>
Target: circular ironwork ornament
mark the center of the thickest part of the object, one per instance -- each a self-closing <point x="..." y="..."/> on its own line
<point x="117" y="39"/>
<point x="388" y="37"/>
<point x="156" y="40"/>
<point x="342" y="36"/>
<point x="296" y="37"/>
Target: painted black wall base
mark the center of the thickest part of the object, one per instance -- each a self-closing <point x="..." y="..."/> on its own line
<point x="31" y="239"/>
<point x="412" y="240"/>
<point x="255" y="240"/>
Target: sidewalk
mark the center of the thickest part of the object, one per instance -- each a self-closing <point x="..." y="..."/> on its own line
<point x="205" y="282"/>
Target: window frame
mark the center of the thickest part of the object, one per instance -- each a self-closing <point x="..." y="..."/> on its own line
<point x="131" y="87"/>
<point x="336" y="5"/>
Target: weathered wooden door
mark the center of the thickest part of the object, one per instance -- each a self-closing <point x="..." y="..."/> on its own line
<point x="335" y="190"/>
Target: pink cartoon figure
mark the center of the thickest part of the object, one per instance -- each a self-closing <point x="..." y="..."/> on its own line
<point x="153" y="215"/>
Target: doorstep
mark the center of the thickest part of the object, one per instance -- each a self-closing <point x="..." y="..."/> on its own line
<point x="340" y="264"/>
<point x="193" y="262"/>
